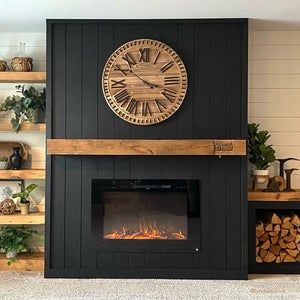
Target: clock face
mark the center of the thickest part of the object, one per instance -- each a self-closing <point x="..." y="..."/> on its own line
<point x="144" y="82"/>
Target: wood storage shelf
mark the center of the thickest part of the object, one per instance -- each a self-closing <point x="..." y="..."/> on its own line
<point x="23" y="174"/>
<point x="278" y="239"/>
<point x="25" y="127"/>
<point x="145" y="147"/>
<point x="23" y="77"/>
<point x="33" y="218"/>
<point x="24" y="262"/>
<point x="274" y="196"/>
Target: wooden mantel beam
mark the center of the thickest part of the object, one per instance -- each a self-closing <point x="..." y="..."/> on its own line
<point x="145" y="147"/>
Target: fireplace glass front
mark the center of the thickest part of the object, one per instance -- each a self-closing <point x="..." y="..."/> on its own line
<point x="144" y="209"/>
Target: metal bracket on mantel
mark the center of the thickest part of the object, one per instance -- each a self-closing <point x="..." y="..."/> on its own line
<point x="192" y="147"/>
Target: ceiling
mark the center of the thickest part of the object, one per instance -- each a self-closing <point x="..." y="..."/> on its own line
<point x="30" y="15"/>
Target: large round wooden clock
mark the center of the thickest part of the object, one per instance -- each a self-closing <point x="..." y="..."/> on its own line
<point x="144" y="82"/>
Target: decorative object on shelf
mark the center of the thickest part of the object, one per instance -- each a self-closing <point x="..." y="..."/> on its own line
<point x="8" y="188"/>
<point x="24" y="197"/>
<point x="282" y="161"/>
<point x="13" y="240"/>
<point x="3" y="64"/>
<point x="3" y="162"/>
<point x="144" y="82"/>
<point x="276" y="184"/>
<point x="30" y="106"/>
<point x="288" y="173"/>
<point x="7" y="207"/>
<point x="16" y="160"/>
<point x="22" y="62"/>
<point x="260" y="154"/>
<point x="6" y="148"/>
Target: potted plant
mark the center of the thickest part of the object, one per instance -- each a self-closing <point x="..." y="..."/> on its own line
<point x="30" y="106"/>
<point x="24" y="197"/>
<point x="260" y="154"/>
<point x="13" y="240"/>
<point x="3" y="162"/>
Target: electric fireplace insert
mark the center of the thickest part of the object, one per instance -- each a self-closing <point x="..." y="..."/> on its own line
<point x="146" y="214"/>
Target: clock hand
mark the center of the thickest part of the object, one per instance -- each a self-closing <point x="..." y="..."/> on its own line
<point x="151" y="85"/>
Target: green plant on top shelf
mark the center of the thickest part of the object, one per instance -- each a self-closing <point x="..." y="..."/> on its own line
<point x="3" y="159"/>
<point x="13" y="241"/>
<point x="260" y="154"/>
<point x="29" y="106"/>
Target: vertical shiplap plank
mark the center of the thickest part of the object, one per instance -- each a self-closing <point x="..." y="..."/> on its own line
<point x="73" y="130"/>
<point x="217" y="130"/>
<point x="105" y="115"/>
<point x="218" y="66"/>
<point x="201" y="80"/>
<point x="90" y="85"/>
<point x="57" y="205"/>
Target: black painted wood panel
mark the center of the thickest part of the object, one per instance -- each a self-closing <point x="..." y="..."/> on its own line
<point x="215" y="55"/>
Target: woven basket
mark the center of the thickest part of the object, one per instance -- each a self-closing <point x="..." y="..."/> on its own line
<point x="22" y="64"/>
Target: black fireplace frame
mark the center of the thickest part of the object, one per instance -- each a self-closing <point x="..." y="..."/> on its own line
<point x="191" y="245"/>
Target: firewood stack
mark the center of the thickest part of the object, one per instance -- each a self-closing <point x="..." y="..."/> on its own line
<point x="278" y="240"/>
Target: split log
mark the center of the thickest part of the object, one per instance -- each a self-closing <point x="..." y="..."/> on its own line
<point x="287" y="225"/>
<point x="270" y="257"/>
<point x="277" y="228"/>
<point x="257" y="250"/>
<point x="274" y="240"/>
<point x="273" y="233"/>
<point x="258" y="259"/>
<point x="256" y="241"/>
<point x="292" y="253"/>
<point x="275" y="249"/>
<point x="267" y="244"/>
<point x="264" y="237"/>
<point x="269" y="227"/>
<point x="282" y="244"/>
<point x="275" y="219"/>
<point x="289" y="258"/>
<point x="285" y="219"/>
<point x="293" y="232"/>
<point x="284" y="232"/>
<point x="297" y="239"/>
<point x="290" y="245"/>
<point x="278" y="260"/>
<point x="288" y="239"/>
<point x="263" y="253"/>
<point x="259" y="233"/>
<point x="295" y="220"/>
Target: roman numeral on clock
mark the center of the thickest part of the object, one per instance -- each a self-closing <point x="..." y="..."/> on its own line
<point x="122" y="96"/>
<point x="160" y="105"/>
<point x="172" y="80"/>
<point x="117" y="84"/>
<point x="129" y="59"/>
<point x="132" y="106"/>
<point x="156" y="57"/>
<point x="167" y="66"/>
<point x="144" y="54"/>
<point x="169" y="94"/>
<point x="123" y="71"/>
<point x="145" y="109"/>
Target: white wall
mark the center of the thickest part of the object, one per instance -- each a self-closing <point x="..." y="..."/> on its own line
<point x="274" y="91"/>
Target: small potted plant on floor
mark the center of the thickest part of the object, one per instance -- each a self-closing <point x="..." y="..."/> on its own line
<point x="24" y="197"/>
<point x="3" y="162"/>
<point x="13" y="240"/>
<point x="260" y="154"/>
<point x="29" y="106"/>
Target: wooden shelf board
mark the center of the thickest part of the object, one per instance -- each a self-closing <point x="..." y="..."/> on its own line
<point x="23" y="77"/>
<point x="274" y="196"/>
<point x="34" y="218"/>
<point x="5" y="126"/>
<point x="23" y="174"/>
<point x="24" y="262"/>
<point x="145" y="147"/>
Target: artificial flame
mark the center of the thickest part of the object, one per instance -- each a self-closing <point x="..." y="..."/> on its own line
<point x="145" y="232"/>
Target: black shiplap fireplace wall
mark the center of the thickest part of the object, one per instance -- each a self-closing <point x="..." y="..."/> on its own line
<point x="215" y="55"/>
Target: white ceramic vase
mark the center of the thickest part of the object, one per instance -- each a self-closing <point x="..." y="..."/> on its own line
<point x="261" y="176"/>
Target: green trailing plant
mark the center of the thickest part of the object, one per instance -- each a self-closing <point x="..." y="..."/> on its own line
<point x="24" y="104"/>
<point x="25" y="192"/>
<point x="13" y="239"/>
<point x="260" y="154"/>
<point x="3" y="159"/>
